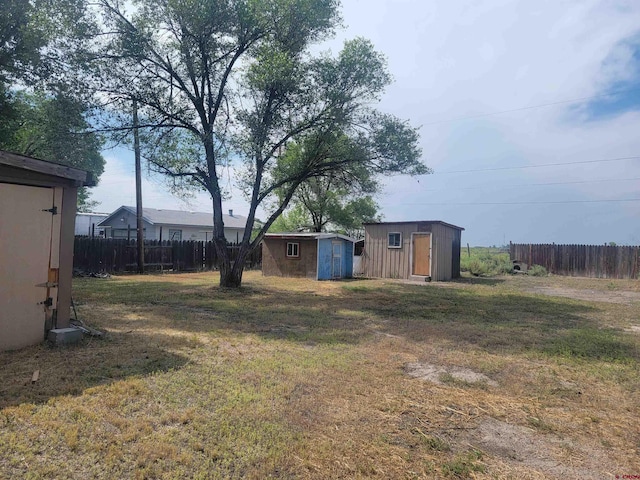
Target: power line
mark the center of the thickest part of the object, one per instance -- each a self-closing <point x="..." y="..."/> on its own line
<point x="526" y="203"/>
<point x="493" y="169"/>
<point x="531" y="107"/>
<point x="484" y="187"/>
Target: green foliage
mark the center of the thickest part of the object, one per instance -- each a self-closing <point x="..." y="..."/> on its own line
<point x="538" y="271"/>
<point x="20" y="42"/>
<point x="486" y="261"/>
<point x="54" y="129"/>
<point x="339" y="197"/>
<point x="39" y="42"/>
<point x="236" y="82"/>
<point x="41" y="113"/>
<point x="294" y="219"/>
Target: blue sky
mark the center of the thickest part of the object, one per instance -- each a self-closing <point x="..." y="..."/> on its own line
<point x="455" y="65"/>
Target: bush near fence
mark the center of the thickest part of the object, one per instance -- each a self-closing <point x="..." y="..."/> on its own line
<point x="107" y="255"/>
<point x="596" y="261"/>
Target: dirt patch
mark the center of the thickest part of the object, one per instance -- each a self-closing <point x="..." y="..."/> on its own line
<point x="548" y="454"/>
<point x="437" y="374"/>
<point x="633" y="329"/>
<point x="622" y="297"/>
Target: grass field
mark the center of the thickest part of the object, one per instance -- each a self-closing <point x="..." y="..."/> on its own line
<point x="505" y="377"/>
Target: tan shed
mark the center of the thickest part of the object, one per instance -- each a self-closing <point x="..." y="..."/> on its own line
<point x="37" y="216"/>
<point x="420" y="250"/>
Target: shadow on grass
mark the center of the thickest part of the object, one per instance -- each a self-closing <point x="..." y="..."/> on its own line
<point x="492" y="320"/>
<point x="149" y="323"/>
<point x="489" y="281"/>
<point x="71" y="370"/>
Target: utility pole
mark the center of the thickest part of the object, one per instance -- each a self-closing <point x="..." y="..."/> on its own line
<point x="139" y="224"/>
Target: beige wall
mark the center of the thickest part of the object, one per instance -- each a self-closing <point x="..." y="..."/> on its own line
<point x="36" y="248"/>
<point x="380" y="261"/>
<point x="441" y="252"/>
<point x="29" y="240"/>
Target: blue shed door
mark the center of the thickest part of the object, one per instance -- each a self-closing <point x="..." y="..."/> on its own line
<point x="336" y="260"/>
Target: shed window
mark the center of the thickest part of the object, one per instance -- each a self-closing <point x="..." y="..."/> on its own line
<point x="293" y="249"/>
<point x="395" y="240"/>
<point x="175" y="235"/>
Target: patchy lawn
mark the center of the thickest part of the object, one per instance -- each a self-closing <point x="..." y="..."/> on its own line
<point x="482" y="378"/>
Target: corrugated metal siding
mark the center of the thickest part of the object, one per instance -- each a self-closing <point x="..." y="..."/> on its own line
<point x="324" y="259"/>
<point x="441" y="252"/>
<point x="455" y="259"/>
<point x="347" y="259"/>
<point x="379" y="260"/>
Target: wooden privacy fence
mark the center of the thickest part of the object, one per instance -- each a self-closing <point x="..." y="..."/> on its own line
<point x="597" y="261"/>
<point x="107" y="255"/>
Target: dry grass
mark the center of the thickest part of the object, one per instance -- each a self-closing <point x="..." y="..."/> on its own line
<point x="302" y="379"/>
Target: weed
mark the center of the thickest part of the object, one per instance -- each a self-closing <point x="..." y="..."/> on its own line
<point x="540" y="424"/>
<point x="437" y="444"/>
<point x="537" y="271"/>
<point x="464" y="465"/>
<point x="486" y="262"/>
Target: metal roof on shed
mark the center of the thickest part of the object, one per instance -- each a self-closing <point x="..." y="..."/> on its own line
<point x="312" y="235"/>
<point x="416" y="221"/>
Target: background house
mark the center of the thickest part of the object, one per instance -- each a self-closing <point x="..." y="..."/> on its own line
<point x="37" y="216"/>
<point x="321" y="256"/>
<point x="419" y="250"/>
<point x="87" y="224"/>
<point x="171" y="225"/>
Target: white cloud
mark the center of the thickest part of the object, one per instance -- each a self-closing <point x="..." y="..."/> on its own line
<point x="117" y="187"/>
<point x="467" y="57"/>
<point x="463" y="58"/>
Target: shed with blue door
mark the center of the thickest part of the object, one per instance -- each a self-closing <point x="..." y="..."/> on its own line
<point x="320" y="256"/>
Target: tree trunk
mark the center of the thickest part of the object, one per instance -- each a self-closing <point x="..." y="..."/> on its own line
<point x="231" y="277"/>
<point x="231" y="272"/>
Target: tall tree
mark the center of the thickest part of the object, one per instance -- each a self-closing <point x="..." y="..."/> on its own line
<point x="42" y="112"/>
<point x="340" y="201"/>
<point x="55" y="129"/>
<point x="332" y="203"/>
<point x="338" y="212"/>
<point x="20" y="41"/>
<point x="234" y="81"/>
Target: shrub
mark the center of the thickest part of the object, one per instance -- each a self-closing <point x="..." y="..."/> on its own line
<point x="485" y="262"/>
<point x="538" y="271"/>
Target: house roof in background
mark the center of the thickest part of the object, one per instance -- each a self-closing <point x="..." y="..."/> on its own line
<point x="308" y="235"/>
<point x="416" y="221"/>
<point x="93" y="214"/>
<point x="156" y="216"/>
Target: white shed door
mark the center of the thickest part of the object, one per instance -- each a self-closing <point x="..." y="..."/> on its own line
<point x="25" y="246"/>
